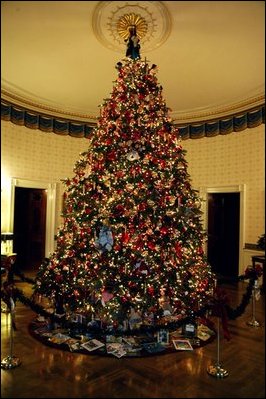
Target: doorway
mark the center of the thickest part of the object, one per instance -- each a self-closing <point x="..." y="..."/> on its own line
<point x="29" y="227"/>
<point x="223" y="233"/>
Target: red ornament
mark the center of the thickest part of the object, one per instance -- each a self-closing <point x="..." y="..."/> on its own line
<point x="150" y="290"/>
<point x="111" y="156"/>
<point x="178" y="249"/>
<point x="119" y="209"/>
<point x="200" y="251"/>
<point x="136" y="135"/>
<point x="142" y="206"/>
<point x="108" y="141"/>
<point x="162" y="163"/>
<point x="163" y="230"/>
<point x="125" y="237"/>
<point x="59" y="279"/>
<point x="98" y="165"/>
<point x="117" y="247"/>
<point x="124" y="299"/>
<point x="139" y="243"/>
<point x="131" y="284"/>
<point x="120" y="173"/>
<point x="151" y="245"/>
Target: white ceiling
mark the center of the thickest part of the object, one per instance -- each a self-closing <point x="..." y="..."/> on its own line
<point x="211" y="63"/>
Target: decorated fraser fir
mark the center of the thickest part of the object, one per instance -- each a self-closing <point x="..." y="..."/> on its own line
<point x="130" y="251"/>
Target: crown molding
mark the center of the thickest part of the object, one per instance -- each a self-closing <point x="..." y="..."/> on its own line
<point x="219" y="111"/>
<point x="37" y="107"/>
<point x="179" y="119"/>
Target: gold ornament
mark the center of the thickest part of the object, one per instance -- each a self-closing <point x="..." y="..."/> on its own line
<point x="150" y="202"/>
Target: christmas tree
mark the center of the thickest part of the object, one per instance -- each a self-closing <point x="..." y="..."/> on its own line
<point x="131" y="246"/>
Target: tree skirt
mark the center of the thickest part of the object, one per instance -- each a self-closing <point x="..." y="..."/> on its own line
<point x="137" y="345"/>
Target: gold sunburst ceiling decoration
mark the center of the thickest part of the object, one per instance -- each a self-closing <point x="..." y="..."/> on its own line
<point x="128" y="20"/>
<point x="111" y="21"/>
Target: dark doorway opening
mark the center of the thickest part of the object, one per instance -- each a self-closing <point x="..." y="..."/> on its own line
<point x="29" y="227"/>
<point x="223" y="233"/>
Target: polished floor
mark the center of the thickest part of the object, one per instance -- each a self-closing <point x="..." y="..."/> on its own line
<point x="47" y="372"/>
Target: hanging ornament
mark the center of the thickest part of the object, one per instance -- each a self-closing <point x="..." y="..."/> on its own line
<point x="164" y="302"/>
<point x="133" y="155"/>
<point x="105" y="240"/>
<point x="150" y="202"/>
<point x="129" y="187"/>
<point x="150" y="290"/>
<point x="134" y="319"/>
<point x="106" y="296"/>
<point x="140" y="267"/>
<point x="138" y="298"/>
<point x="197" y="203"/>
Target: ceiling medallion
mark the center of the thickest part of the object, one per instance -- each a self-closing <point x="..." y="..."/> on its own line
<point x="112" y="19"/>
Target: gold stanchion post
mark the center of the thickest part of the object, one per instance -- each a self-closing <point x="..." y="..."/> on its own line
<point x="216" y="370"/>
<point x="253" y="322"/>
<point x="11" y="361"/>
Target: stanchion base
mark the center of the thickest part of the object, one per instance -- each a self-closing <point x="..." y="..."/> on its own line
<point x="217" y="371"/>
<point x="253" y="323"/>
<point x="10" y="362"/>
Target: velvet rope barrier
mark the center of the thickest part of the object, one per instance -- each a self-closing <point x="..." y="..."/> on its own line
<point x="218" y="306"/>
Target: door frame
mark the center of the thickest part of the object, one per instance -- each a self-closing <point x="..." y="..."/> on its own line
<point x="50" y="208"/>
<point x="239" y="188"/>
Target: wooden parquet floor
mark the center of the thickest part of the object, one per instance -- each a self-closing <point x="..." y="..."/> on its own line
<point x="47" y="372"/>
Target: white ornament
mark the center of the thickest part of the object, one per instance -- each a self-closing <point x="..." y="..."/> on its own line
<point x="133" y="155"/>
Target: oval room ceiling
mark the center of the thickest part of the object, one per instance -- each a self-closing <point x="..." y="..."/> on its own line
<point x="59" y="57"/>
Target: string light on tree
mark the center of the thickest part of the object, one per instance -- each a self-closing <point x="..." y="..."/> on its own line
<point x="131" y="246"/>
